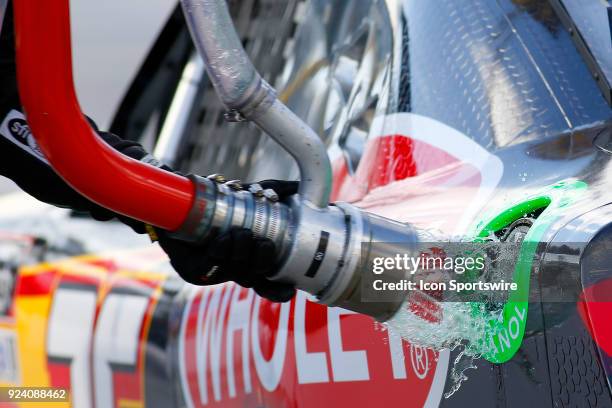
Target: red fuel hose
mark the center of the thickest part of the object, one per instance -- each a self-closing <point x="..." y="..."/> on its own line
<point x="78" y="155"/>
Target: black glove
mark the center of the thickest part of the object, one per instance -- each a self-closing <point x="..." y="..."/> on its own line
<point x="234" y="256"/>
<point x="135" y="151"/>
<point x="239" y="256"/>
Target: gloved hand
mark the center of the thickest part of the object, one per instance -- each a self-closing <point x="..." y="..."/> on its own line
<point x="135" y="151"/>
<point x="234" y="256"/>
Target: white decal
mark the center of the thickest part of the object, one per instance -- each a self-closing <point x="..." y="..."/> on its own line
<point x="191" y="295"/>
<point x="209" y="336"/>
<point x="396" y="348"/>
<point x="15" y="129"/>
<point x="238" y="321"/>
<point x="439" y="380"/>
<point x="116" y="341"/>
<point x="269" y="372"/>
<point x="311" y="367"/>
<point x="69" y="338"/>
<point x="455" y="143"/>
<point x="221" y="315"/>
<point x="420" y="361"/>
<point x="346" y="365"/>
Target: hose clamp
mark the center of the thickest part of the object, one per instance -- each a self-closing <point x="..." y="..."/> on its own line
<point x="198" y="223"/>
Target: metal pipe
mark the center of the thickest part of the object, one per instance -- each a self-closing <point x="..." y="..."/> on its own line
<point x="243" y="91"/>
<point x="231" y="70"/>
<point x="185" y="103"/>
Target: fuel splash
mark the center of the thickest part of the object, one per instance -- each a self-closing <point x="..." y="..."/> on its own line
<point x="451" y="322"/>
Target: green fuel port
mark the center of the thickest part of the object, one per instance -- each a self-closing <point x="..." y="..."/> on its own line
<point x="503" y="336"/>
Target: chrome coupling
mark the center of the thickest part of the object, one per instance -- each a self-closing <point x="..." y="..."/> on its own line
<point x="324" y="251"/>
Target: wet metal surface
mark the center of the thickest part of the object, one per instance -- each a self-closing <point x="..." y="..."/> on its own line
<point x="500" y="72"/>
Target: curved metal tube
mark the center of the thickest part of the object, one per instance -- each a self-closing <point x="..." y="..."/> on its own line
<point x="242" y="89"/>
<point x="181" y="112"/>
<point x="229" y="68"/>
<point x="90" y="166"/>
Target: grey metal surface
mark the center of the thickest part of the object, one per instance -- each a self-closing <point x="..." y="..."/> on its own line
<point x="338" y="76"/>
<point x="339" y="71"/>
<point x="374" y="237"/>
<point x="180" y="116"/>
<point x="590" y="24"/>
<point x="500" y="71"/>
